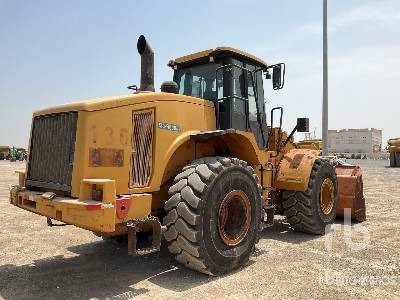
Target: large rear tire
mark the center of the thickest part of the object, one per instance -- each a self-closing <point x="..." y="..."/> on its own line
<point x="311" y="211"/>
<point x="213" y="215"/>
<point x="393" y="159"/>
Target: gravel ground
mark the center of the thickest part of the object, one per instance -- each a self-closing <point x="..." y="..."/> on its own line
<point x="39" y="262"/>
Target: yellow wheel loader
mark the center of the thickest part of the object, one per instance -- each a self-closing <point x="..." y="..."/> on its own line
<point x="196" y="162"/>
<point x="310" y="144"/>
<point x="394" y="152"/>
<point x="5" y="152"/>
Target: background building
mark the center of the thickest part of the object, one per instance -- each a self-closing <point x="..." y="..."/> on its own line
<point x="367" y="141"/>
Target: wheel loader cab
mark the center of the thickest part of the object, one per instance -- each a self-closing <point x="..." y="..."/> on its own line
<point x="233" y="82"/>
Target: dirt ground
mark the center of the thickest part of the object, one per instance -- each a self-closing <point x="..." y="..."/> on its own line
<point x="39" y="262"/>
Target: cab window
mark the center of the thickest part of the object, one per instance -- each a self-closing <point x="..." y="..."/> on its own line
<point x="251" y="97"/>
<point x="198" y="81"/>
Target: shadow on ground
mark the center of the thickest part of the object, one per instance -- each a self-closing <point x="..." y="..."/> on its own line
<point x="104" y="270"/>
<point x="100" y="270"/>
<point x="281" y="231"/>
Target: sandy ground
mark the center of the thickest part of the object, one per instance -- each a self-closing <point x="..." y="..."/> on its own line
<point x="39" y="262"/>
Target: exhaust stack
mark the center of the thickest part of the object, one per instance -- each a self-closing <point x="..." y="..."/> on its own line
<point x="147" y="65"/>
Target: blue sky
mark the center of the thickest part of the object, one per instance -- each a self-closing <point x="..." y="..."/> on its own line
<point x="53" y="52"/>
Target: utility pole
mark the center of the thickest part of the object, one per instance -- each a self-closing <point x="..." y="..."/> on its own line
<point x="325" y="82"/>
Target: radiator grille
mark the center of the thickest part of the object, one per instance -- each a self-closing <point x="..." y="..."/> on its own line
<point x="52" y="151"/>
<point x="143" y="124"/>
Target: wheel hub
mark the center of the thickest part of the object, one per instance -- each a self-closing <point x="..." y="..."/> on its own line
<point x="234" y="217"/>
<point x="327" y="195"/>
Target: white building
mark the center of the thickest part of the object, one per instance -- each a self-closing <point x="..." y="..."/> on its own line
<point x="366" y="141"/>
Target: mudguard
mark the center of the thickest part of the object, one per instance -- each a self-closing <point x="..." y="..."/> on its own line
<point x="294" y="169"/>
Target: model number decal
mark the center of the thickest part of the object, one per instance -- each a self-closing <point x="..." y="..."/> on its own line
<point x="168" y="126"/>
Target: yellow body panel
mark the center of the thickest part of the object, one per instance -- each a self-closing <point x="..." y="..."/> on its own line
<point x="21" y="177"/>
<point x="119" y="101"/>
<point x="294" y="169"/>
<point x="111" y="128"/>
<point x="98" y="216"/>
<point x="394" y="142"/>
<point x="106" y="125"/>
<point x="394" y="149"/>
<point x="68" y="210"/>
<point x="310" y="144"/>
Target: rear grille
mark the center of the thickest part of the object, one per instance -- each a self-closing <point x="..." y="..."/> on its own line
<point x="143" y="123"/>
<point x="52" y="151"/>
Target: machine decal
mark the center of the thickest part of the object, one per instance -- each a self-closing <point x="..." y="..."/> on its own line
<point x="106" y="157"/>
<point x="109" y="135"/>
<point x="92" y="131"/>
<point x="123" y="136"/>
<point x="168" y="126"/>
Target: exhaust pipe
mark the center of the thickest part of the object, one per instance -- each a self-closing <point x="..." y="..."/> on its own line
<point x="147" y="65"/>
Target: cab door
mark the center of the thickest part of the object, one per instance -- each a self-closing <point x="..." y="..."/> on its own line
<point x="232" y="101"/>
<point x="238" y="107"/>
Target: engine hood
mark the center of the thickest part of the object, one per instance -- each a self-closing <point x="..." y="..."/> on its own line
<point x="118" y="101"/>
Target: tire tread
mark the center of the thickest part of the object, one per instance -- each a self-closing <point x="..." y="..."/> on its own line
<point x="298" y="205"/>
<point x="183" y="209"/>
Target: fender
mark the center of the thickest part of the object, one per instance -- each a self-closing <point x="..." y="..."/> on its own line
<point x="203" y="135"/>
<point x="163" y="165"/>
<point x="294" y="169"/>
<point x="241" y="144"/>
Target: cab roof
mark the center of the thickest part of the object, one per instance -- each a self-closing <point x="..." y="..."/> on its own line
<point x="205" y="55"/>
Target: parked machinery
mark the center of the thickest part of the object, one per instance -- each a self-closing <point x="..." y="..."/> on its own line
<point x="394" y="150"/>
<point x="5" y="152"/>
<point x="197" y="159"/>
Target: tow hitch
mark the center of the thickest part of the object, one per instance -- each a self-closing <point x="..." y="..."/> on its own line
<point x="148" y="224"/>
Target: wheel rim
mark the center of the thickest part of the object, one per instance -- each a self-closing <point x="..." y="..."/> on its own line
<point x="327" y="196"/>
<point x="234" y="217"/>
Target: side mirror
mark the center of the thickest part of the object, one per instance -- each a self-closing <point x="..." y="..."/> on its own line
<point x="303" y="125"/>
<point x="278" y="76"/>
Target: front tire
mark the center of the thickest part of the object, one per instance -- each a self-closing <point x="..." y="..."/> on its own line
<point x="213" y="215"/>
<point x="311" y="211"/>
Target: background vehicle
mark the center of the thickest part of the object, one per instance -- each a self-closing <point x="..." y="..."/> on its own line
<point x="197" y="156"/>
<point x="5" y="152"/>
<point x="394" y="150"/>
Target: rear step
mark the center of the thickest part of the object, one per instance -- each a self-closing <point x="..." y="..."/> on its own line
<point x="147" y="224"/>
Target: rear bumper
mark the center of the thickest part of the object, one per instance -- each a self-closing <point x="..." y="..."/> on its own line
<point x="88" y="214"/>
<point x="98" y="216"/>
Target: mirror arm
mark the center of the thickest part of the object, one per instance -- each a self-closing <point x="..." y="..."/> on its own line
<point x="290" y="136"/>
